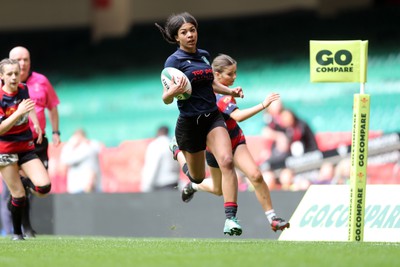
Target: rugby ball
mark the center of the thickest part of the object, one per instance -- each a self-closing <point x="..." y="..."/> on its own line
<point x="166" y="76"/>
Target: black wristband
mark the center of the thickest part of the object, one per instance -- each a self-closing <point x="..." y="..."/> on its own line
<point x="57" y="132"/>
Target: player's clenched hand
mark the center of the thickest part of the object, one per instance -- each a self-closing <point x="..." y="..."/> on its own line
<point x="39" y="132"/>
<point x="237" y="92"/>
<point x="177" y="86"/>
<point x="25" y="106"/>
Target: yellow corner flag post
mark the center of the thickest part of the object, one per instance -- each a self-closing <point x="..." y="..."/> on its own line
<point x="358" y="173"/>
<point x="347" y="61"/>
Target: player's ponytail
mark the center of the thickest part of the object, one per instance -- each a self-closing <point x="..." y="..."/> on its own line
<point x="165" y="34"/>
<point x="173" y="24"/>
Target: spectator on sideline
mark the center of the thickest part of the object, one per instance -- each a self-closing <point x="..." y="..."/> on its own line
<point x="298" y="131"/>
<point x="342" y="172"/>
<point x="286" y="179"/>
<point x="291" y="137"/>
<point x="270" y="131"/>
<point x="17" y="146"/>
<point x="43" y="94"/>
<point x="160" y="171"/>
<point x="326" y="173"/>
<point x="81" y="157"/>
<point x="291" y="182"/>
<point x="271" y="180"/>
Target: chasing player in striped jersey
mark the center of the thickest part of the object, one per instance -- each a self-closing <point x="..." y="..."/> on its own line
<point x="224" y="68"/>
<point x="17" y="144"/>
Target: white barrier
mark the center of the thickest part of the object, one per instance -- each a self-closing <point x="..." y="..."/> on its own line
<point x="322" y="214"/>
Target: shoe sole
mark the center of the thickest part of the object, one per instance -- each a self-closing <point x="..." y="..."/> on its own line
<point x="29" y="236"/>
<point x="234" y="231"/>
<point x="283" y="227"/>
<point x="187" y="199"/>
<point x="18" y="238"/>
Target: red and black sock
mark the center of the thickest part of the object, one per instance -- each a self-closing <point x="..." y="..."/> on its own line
<point x="25" y="219"/>
<point x="230" y="209"/>
<point x="16" y="206"/>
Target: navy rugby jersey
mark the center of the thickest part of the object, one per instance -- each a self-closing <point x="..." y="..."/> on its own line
<point x="19" y="138"/>
<point x="197" y="68"/>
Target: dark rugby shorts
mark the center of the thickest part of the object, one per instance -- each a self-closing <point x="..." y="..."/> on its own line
<point x="24" y="157"/>
<point x="191" y="132"/>
<point x="212" y="161"/>
<point x="41" y="151"/>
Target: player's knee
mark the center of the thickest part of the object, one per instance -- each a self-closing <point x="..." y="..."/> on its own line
<point x="217" y="191"/>
<point x="256" y="177"/>
<point x="226" y="161"/>
<point x="42" y="190"/>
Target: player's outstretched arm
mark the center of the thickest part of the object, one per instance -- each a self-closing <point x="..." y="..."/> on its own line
<point x="243" y="114"/>
<point x="219" y="88"/>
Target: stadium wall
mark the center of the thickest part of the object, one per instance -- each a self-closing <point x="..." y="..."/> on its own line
<point x="82" y="13"/>
<point x="160" y="214"/>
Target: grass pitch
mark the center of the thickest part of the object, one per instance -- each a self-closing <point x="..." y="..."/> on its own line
<point x="60" y="251"/>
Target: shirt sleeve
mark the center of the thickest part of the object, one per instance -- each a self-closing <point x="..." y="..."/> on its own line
<point x="227" y="104"/>
<point x="172" y="62"/>
<point x="1" y="115"/>
<point x="53" y="100"/>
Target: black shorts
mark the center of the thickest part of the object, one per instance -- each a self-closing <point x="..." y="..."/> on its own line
<point x="41" y="151"/>
<point x="212" y="161"/>
<point x="191" y="132"/>
<point x="26" y="156"/>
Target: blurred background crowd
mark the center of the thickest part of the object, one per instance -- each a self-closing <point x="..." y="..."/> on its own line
<point x="104" y="59"/>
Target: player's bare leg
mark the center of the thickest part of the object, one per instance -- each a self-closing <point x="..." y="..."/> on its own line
<point x="219" y="143"/>
<point x="245" y="162"/>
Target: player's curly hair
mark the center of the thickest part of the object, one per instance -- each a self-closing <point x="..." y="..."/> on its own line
<point x="172" y="25"/>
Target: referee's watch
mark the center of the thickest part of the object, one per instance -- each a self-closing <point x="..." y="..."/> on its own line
<point x="57" y="132"/>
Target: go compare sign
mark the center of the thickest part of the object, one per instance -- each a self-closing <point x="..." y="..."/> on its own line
<point x="333" y="215"/>
<point x="338" y="61"/>
<point x="322" y="215"/>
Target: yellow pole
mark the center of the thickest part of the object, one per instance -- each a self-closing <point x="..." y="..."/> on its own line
<point x="359" y="157"/>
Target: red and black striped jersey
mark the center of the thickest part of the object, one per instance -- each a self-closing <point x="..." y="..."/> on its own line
<point x="19" y="138"/>
<point x="226" y="105"/>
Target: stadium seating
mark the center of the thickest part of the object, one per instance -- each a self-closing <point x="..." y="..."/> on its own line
<point x="121" y="166"/>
